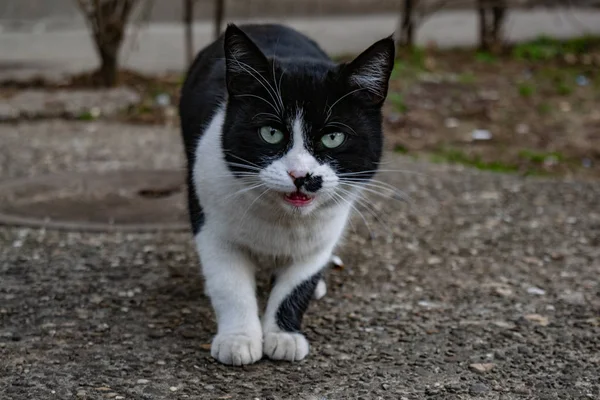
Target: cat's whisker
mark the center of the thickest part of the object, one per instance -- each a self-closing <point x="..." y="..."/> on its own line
<point x="244" y="190"/>
<point x="337" y="123"/>
<point x="364" y="203"/>
<point x="241" y="159"/>
<point x="251" y="204"/>
<point x="353" y="207"/>
<point x="389" y="193"/>
<point x="342" y="98"/>
<point x="247" y="68"/>
<point x="260" y="98"/>
<point x="376" y="171"/>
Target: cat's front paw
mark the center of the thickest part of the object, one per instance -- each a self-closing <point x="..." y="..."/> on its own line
<point x="286" y="346"/>
<point x="236" y="349"/>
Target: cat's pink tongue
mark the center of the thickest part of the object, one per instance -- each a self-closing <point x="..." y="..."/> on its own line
<point x="298" y="199"/>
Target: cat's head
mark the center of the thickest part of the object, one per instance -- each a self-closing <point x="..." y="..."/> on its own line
<point x="306" y="133"/>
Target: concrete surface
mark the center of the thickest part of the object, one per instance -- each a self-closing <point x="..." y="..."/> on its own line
<point x="486" y="287"/>
<point x="159" y="46"/>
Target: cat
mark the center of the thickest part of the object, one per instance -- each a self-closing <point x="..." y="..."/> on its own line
<point x="280" y="141"/>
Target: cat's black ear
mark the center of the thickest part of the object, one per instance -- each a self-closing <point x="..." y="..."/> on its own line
<point x="369" y="73"/>
<point x="245" y="62"/>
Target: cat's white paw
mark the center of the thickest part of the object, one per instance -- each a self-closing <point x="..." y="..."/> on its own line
<point x="320" y="290"/>
<point x="286" y="346"/>
<point x="236" y="349"/>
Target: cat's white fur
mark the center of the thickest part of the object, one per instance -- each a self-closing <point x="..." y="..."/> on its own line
<point x="242" y="234"/>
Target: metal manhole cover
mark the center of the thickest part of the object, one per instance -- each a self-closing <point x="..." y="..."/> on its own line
<point x="119" y="200"/>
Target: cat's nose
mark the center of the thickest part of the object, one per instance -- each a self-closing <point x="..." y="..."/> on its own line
<point x="299" y="178"/>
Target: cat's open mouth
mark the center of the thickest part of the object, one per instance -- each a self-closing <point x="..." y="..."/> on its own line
<point x="298" y="199"/>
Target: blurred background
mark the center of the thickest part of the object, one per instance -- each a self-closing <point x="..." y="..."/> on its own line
<point x="508" y="85"/>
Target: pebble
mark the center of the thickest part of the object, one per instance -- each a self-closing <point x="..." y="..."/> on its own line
<point x="481" y="134"/>
<point x="538" y="319"/>
<point x="451" y="123"/>
<point x="536" y="291"/>
<point x="482" y="368"/>
<point x="81" y="393"/>
<point x="573" y="298"/>
<point x="173" y="388"/>
<point x="522" y="129"/>
<point x="143" y="381"/>
<point x="479" y="388"/>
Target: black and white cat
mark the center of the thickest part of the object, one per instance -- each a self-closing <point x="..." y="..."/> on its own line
<point x="279" y="141"/>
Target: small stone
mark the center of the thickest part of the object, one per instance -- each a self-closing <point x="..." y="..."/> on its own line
<point x="102" y="328"/>
<point x="434" y="260"/>
<point x="163" y="99"/>
<point x="173" y="388"/>
<point x="504" y="324"/>
<point x="143" y="381"/>
<point x="119" y="398"/>
<point x="160" y="362"/>
<point x="573" y="298"/>
<point x="536" y="291"/>
<point x="522" y="129"/>
<point x="503" y="291"/>
<point x="451" y="123"/>
<point x="95" y="299"/>
<point x="81" y="393"/>
<point x="582" y="80"/>
<point x="478" y="388"/>
<point x="564" y="106"/>
<point x="385" y="386"/>
<point x="482" y="368"/>
<point x="190" y="333"/>
<point x="205" y="346"/>
<point x="481" y="134"/>
<point x="570" y="58"/>
<point x="521" y="389"/>
<point x="538" y="319"/>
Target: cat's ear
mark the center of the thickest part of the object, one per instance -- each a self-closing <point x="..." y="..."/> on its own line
<point x="369" y="73"/>
<point x="245" y="62"/>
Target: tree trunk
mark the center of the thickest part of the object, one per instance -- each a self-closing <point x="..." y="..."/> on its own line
<point x="407" y="29"/>
<point x="219" y="13"/>
<point x="188" y="18"/>
<point x="108" y="69"/>
<point x="499" y="15"/>
<point x="483" y="25"/>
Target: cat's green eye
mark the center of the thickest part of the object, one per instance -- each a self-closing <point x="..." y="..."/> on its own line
<point x="333" y="140"/>
<point x="271" y="135"/>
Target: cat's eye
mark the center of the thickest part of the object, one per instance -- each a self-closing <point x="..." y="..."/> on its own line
<point x="271" y="135"/>
<point x="333" y="140"/>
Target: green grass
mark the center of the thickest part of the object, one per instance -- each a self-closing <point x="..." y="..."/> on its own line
<point x="485" y="57"/>
<point x="539" y="157"/>
<point x="544" y="108"/>
<point x="86" y="116"/>
<point x="467" y="78"/>
<point x="401" y="149"/>
<point x="455" y="156"/>
<point x="397" y="101"/>
<point x="526" y="90"/>
<point x="545" y="48"/>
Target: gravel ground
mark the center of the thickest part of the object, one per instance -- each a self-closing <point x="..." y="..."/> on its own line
<point x="485" y="286"/>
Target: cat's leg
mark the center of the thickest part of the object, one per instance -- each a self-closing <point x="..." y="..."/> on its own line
<point x="230" y="283"/>
<point x="294" y="288"/>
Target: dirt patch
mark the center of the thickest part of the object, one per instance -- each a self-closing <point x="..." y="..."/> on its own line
<point x="511" y="113"/>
